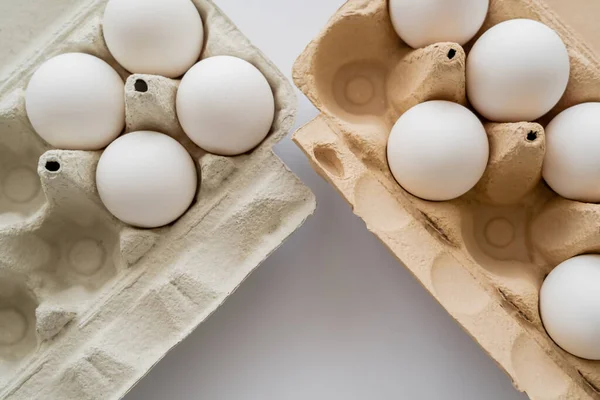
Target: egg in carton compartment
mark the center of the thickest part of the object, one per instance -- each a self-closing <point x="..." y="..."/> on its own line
<point x="88" y="304"/>
<point x="485" y="255"/>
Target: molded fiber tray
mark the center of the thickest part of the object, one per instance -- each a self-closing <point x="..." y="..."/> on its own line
<point x="87" y="304"/>
<point x="483" y="256"/>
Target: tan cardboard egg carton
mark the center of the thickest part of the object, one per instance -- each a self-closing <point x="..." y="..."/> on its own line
<point x="485" y="255"/>
<point x="88" y="304"/>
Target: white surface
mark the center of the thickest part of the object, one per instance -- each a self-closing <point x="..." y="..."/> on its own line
<point x="571" y="163"/>
<point x="570" y="305"/>
<point x="330" y="315"/>
<point x="146" y="179"/>
<point x="421" y="23"/>
<point x="225" y="105"/>
<point x="438" y="150"/>
<point x="517" y="71"/>
<point x="161" y="37"/>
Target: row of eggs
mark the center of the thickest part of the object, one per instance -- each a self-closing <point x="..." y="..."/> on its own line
<point x="438" y="150"/>
<point x="76" y="101"/>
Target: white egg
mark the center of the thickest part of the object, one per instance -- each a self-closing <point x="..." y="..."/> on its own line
<point x="225" y="105"/>
<point x="517" y="71"/>
<point x="438" y="150"/>
<point x="570" y="306"/>
<point x="75" y="101"/>
<point x="161" y="37"/>
<point x="421" y="23"/>
<point x="571" y="164"/>
<point x="146" y="179"/>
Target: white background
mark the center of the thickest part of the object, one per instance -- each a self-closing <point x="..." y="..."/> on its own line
<point x="331" y="315"/>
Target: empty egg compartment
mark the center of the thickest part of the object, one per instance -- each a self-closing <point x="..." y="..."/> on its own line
<point x="20" y="148"/>
<point x="89" y="304"/>
<point x="17" y="321"/>
<point x="485" y="255"/>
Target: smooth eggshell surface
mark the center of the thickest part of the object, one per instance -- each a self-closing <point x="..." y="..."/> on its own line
<point x="570" y="306"/>
<point x="161" y="37"/>
<point x="421" y="23"/>
<point x="146" y="179"/>
<point x="438" y="150"/>
<point x="75" y="101"/>
<point x="517" y="71"/>
<point x="572" y="163"/>
<point x="225" y="105"/>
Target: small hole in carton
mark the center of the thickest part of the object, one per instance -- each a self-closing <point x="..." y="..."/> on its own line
<point x="531" y="136"/>
<point x="140" y="85"/>
<point x="451" y="54"/>
<point x="52" y="166"/>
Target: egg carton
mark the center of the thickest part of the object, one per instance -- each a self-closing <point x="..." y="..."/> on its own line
<point x="88" y="304"/>
<point x="485" y="255"/>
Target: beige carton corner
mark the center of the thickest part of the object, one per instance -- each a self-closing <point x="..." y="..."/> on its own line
<point x="475" y="255"/>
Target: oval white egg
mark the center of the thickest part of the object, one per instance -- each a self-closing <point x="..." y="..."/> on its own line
<point x="225" y="105"/>
<point x="161" y="37"/>
<point x="570" y="306"/>
<point x="517" y="71"/>
<point x="571" y="163"/>
<point x="146" y="179"/>
<point x="75" y="101"/>
<point x="421" y="23"/>
<point x="438" y="150"/>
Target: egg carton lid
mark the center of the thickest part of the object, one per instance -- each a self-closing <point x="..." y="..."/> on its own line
<point x="255" y="203"/>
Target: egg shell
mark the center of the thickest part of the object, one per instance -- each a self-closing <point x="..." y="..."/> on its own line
<point x="146" y="179"/>
<point x="570" y="306"/>
<point x="517" y="71"/>
<point x="225" y="105"/>
<point x="438" y="150"/>
<point x="161" y="37"/>
<point x="421" y="23"/>
<point x="75" y="101"/>
<point x="571" y="165"/>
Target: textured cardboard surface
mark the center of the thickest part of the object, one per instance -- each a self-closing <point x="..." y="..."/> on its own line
<point x="582" y="18"/>
<point x="87" y="304"/>
<point x="483" y="256"/>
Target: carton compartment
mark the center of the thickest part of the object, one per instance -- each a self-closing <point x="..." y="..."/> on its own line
<point x="20" y="190"/>
<point x="485" y="255"/>
<point x="17" y="321"/>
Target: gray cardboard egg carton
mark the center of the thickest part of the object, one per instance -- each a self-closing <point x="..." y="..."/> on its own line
<point x="87" y="304"/>
<point x="485" y="255"/>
